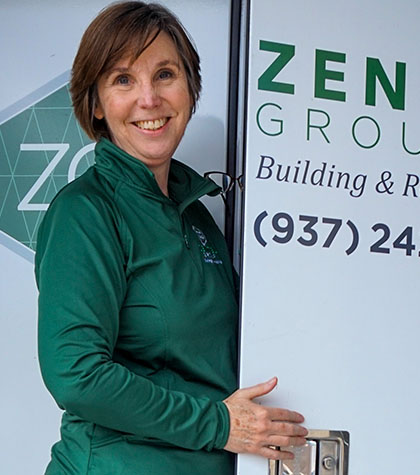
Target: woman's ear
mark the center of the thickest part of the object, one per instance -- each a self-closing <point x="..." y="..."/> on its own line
<point x="98" y="112"/>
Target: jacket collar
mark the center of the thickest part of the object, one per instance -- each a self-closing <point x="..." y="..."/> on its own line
<point x="185" y="185"/>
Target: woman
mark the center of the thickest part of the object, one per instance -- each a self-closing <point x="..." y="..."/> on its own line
<point x="137" y="307"/>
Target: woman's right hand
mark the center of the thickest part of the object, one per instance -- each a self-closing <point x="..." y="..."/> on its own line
<point x="256" y="429"/>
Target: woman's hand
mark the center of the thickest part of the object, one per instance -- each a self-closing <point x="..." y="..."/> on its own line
<point x="254" y="428"/>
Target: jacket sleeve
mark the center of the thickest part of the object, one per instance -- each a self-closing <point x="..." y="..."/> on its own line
<point x="80" y="271"/>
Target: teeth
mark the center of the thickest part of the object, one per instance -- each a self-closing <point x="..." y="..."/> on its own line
<point x="151" y="124"/>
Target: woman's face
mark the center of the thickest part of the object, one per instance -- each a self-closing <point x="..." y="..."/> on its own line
<point x="147" y="104"/>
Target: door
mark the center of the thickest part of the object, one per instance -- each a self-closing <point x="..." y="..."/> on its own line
<point x="331" y="240"/>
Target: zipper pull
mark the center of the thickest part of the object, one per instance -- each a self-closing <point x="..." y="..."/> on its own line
<point x="186" y="241"/>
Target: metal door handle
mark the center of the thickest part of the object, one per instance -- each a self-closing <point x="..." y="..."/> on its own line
<point x="325" y="453"/>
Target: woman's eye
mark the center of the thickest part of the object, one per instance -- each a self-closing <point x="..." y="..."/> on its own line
<point x="123" y="80"/>
<point x="165" y="74"/>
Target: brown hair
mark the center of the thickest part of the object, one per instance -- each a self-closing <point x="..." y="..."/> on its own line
<point x="120" y="29"/>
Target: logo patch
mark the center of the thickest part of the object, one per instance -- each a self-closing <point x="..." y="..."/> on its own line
<point x="209" y="254"/>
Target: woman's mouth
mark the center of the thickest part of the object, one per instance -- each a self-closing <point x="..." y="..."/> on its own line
<point x="151" y="124"/>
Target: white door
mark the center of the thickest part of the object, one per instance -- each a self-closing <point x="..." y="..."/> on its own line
<point x="331" y="225"/>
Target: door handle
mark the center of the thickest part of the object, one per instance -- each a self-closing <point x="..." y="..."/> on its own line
<point x="325" y="453"/>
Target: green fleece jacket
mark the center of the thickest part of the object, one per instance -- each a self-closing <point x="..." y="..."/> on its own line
<point x="137" y="322"/>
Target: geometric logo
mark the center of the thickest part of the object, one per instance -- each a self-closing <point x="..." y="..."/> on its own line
<point x="42" y="148"/>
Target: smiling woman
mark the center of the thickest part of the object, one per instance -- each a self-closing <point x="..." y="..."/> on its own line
<point x="146" y="105"/>
<point x="137" y="295"/>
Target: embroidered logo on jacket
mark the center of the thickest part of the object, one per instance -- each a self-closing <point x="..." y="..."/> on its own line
<point x="209" y="254"/>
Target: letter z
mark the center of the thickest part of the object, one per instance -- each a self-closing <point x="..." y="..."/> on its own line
<point x="266" y="80"/>
<point x="61" y="149"/>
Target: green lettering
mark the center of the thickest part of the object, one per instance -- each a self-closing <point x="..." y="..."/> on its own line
<point x="266" y="80"/>
<point x="322" y="74"/>
<point x="374" y="70"/>
<point x="273" y="133"/>
<point x="411" y="152"/>
<point x="309" y="125"/>
<point x="378" y="131"/>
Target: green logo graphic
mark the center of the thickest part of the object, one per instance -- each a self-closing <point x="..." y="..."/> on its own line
<point x="42" y="148"/>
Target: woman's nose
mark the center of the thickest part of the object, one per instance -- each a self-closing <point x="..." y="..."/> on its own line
<point x="148" y="96"/>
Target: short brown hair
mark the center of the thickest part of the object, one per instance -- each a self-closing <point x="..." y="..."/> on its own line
<point x="119" y="30"/>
